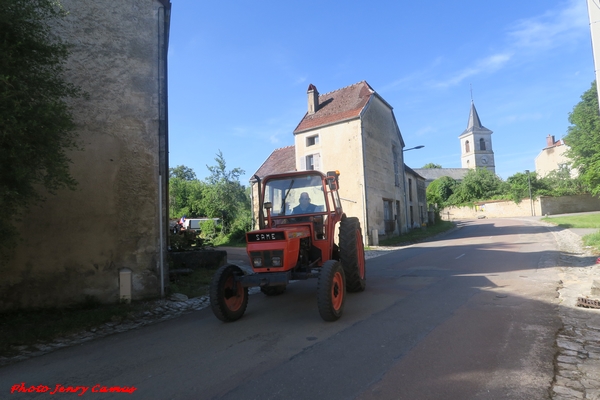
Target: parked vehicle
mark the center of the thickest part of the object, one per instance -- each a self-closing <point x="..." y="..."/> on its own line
<point x="195" y="223"/>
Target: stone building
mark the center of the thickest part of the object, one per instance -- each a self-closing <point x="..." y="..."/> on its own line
<point x="352" y="130"/>
<point x="416" y="198"/>
<point x="106" y="239"/>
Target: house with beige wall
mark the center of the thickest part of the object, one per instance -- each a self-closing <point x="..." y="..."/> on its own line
<point x="416" y="198"/>
<point x="354" y="130"/>
<point x="553" y="157"/>
<point x="108" y="237"/>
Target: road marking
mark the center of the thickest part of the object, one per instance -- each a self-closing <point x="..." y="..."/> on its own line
<point x="460" y="256"/>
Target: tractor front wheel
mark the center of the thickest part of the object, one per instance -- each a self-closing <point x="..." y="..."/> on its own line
<point x="228" y="298"/>
<point x="352" y="254"/>
<point x="331" y="290"/>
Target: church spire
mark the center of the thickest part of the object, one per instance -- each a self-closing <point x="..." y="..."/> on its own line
<point x="474" y="124"/>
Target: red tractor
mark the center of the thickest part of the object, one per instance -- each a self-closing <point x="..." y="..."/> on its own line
<point x="296" y="242"/>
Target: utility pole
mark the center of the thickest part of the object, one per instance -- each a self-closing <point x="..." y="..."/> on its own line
<point x="530" y="199"/>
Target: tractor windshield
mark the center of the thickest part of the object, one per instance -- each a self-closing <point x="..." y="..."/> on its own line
<point x="295" y="195"/>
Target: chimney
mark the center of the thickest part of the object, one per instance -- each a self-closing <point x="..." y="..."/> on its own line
<point x="549" y="141"/>
<point x="313" y="99"/>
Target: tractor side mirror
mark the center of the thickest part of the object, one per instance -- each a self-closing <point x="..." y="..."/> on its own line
<point x="332" y="180"/>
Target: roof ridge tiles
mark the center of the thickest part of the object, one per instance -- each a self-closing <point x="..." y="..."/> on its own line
<point x="345" y="87"/>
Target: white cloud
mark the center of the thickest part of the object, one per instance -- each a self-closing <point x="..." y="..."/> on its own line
<point x="489" y="64"/>
<point x="552" y="29"/>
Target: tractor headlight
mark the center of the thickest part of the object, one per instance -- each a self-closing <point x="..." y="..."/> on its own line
<point x="257" y="262"/>
<point x="276" y="261"/>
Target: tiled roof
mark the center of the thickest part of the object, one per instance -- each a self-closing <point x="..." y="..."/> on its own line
<point x="339" y="105"/>
<point x="431" y="174"/>
<point x="280" y="160"/>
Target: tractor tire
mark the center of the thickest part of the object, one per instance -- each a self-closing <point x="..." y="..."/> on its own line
<point x="331" y="291"/>
<point x="352" y="254"/>
<point x="273" y="290"/>
<point x="228" y="304"/>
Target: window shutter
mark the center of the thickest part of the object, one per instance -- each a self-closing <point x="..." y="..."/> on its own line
<point x="317" y="161"/>
<point x="302" y="163"/>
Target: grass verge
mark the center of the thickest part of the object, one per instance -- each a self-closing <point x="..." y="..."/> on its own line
<point x="580" y="221"/>
<point x="193" y="285"/>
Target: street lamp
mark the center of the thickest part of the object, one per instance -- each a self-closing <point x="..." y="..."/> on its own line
<point x="414" y="148"/>
<point x="529" y="184"/>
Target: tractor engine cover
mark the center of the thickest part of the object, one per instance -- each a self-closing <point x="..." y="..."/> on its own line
<point x="275" y="250"/>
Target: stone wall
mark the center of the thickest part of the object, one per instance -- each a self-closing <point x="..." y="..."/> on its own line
<point x="526" y="208"/>
<point x="76" y="243"/>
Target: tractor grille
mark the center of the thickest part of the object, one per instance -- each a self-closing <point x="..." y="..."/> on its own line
<point x="267" y="257"/>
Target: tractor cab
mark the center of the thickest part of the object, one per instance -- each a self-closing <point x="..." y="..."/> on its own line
<point x="303" y="197"/>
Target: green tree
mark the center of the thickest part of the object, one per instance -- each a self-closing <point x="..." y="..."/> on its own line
<point x="583" y="139"/>
<point x="432" y="165"/>
<point x="518" y="185"/>
<point x="478" y="184"/>
<point x="561" y="183"/>
<point x="182" y="172"/>
<point x="36" y="125"/>
<point x="440" y="190"/>
<point x="225" y="197"/>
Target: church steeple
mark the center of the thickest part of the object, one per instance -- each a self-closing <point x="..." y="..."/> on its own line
<point x="476" y="144"/>
<point x="474" y="123"/>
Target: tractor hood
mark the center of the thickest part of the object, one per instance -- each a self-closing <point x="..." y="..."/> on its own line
<point x="280" y="233"/>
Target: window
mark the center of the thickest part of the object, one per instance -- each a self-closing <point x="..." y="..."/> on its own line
<point x="409" y="189"/>
<point x="313" y="161"/>
<point x="312" y="140"/>
<point x="396" y="166"/>
<point x="388" y="215"/>
<point x="467" y="147"/>
<point x="481" y="144"/>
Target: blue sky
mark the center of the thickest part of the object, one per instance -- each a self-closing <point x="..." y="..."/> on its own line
<point x="239" y="71"/>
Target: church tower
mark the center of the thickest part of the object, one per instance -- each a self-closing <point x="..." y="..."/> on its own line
<point x="476" y="144"/>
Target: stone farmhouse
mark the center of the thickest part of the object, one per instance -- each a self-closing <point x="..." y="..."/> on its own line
<point x="354" y="130"/>
<point x="107" y="239"/>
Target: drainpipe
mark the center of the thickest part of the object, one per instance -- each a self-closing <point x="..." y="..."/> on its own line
<point x="162" y="238"/>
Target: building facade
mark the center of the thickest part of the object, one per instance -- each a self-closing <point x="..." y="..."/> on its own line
<point x="354" y="130"/>
<point x="107" y="239"/>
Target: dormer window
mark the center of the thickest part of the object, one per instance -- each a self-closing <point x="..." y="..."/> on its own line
<point x="312" y="140"/>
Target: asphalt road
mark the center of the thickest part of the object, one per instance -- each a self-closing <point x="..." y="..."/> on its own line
<point x="470" y="315"/>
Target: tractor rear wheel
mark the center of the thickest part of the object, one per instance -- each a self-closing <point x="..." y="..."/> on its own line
<point x="331" y="290"/>
<point x="352" y="254"/>
<point x="228" y="298"/>
<point x="273" y="290"/>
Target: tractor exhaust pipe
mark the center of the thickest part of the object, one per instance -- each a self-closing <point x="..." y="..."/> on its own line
<point x="261" y="216"/>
